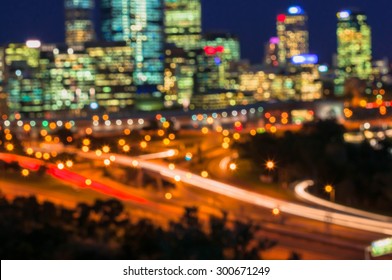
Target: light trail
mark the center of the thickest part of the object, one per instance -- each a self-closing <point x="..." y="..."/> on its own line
<point x="264" y="201"/>
<point x="300" y="190"/>
<point x="71" y="177"/>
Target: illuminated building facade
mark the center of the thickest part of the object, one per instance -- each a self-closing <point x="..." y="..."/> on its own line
<point x="298" y="83"/>
<point x="229" y="42"/>
<point x="293" y="34"/>
<point x="79" y="24"/>
<point x="25" y="93"/>
<point x="216" y="64"/>
<point x="180" y="68"/>
<point x="211" y="73"/>
<point x="53" y="78"/>
<point x="183" y="23"/>
<point x="140" y="23"/>
<point x="3" y="94"/>
<point x="271" y="52"/>
<point x="354" y="47"/>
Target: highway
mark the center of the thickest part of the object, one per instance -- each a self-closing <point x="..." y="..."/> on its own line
<point x="346" y="219"/>
<point x="301" y="191"/>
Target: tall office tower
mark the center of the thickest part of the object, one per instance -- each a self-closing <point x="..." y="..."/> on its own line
<point x="79" y="24"/>
<point x="140" y="23"/>
<point x="271" y="52"/>
<point x="293" y="33"/>
<point x="180" y="67"/>
<point x="3" y="94"/>
<point x="24" y="89"/>
<point x="87" y="76"/>
<point x="354" y="45"/>
<point x="183" y="23"/>
<point x="229" y="42"/>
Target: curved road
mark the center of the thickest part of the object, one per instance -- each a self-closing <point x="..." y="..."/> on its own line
<point x="300" y="191"/>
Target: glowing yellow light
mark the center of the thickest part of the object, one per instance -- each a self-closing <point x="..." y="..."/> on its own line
<point x="105" y="117"/>
<point x="143" y="144"/>
<point x="233" y="166"/>
<point x="135" y="163"/>
<point x="219" y="129"/>
<point x="88" y="182"/>
<point x="161" y="133"/>
<point x="273" y="129"/>
<point x="172" y="166"/>
<point x="106" y="149"/>
<point x="204" y="174"/>
<point x="43" y="133"/>
<point x="98" y="153"/>
<point x="147" y="138"/>
<point x="363" y="103"/>
<point x="253" y="132"/>
<point x="225" y="145"/>
<point x="166" y="141"/>
<point x="172" y="136"/>
<point x="188" y="175"/>
<point x="69" y="163"/>
<point x="48" y="138"/>
<point x="46" y="156"/>
<point x="276" y="211"/>
<point x="8" y="137"/>
<point x="68" y="125"/>
<point x="95" y="118"/>
<point x="126" y="148"/>
<point x="52" y="126"/>
<point x="225" y="132"/>
<point x="27" y="127"/>
<point x="112" y="158"/>
<point x="60" y="166"/>
<point x="177" y="178"/>
<point x="236" y="136"/>
<point x="9" y="147"/>
<point x="106" y="162"/>
<point x="204" y="130"/>
<point x="25" y="172"/>
<point x="168" y="196"/>
<point x="270" y="164"/>
<point x="29" y="151"/>
<point x="89" y="131"/>
<point x="285" y="121"/>
<point x="86" y="142"/>
<point x="85" y="149"/>
<point x="166" y="125"/>
<point x="38" y="155"/>
<point x="328" y="188"/>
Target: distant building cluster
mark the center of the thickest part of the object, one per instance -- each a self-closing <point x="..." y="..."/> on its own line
<point x="152" y="54"/>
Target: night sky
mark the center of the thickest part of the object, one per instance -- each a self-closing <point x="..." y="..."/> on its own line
<point x="252" y="20"/>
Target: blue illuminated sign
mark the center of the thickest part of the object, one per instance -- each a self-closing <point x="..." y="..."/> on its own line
<point x="295" y="10"/>
<point x="305" y="59"/>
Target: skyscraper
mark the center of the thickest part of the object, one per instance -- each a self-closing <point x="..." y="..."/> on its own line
<point x="354" y="45"/>
<point x="271" y="52"/>
<point x="79" y="25"/>
<point x="140" y="23"/>
<point x="293" y="33"/>
<point x="183" y="23"/>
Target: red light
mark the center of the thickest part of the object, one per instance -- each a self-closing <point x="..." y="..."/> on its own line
<point x="209" y="50"/>
<point x="220" y="49"/>
<point x="281" y="17"/>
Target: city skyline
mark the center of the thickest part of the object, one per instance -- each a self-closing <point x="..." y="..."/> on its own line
<point x="322" y="42"/>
